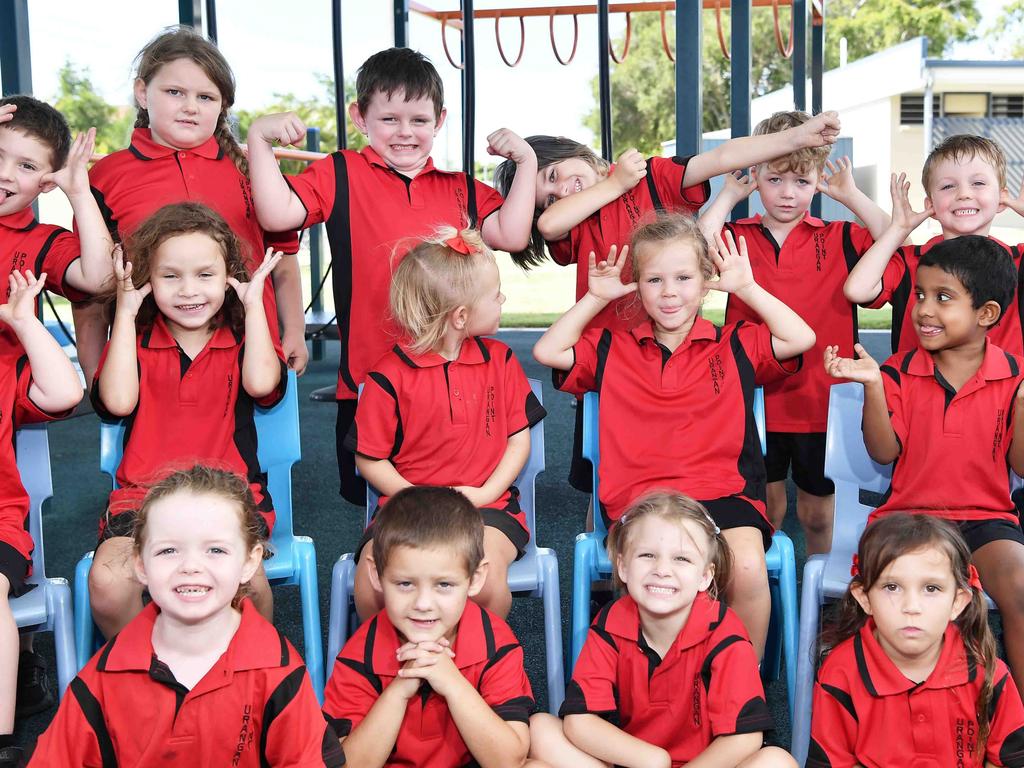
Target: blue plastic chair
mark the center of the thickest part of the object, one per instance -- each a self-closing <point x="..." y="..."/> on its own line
<point x="591" y="563"/>
<point x="535" y="574"/>
<point x="47" y="606"/>
<point x="294" y="560"/>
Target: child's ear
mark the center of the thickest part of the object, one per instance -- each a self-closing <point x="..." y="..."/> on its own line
<point x="440" y="121"/>
<point x="927" y="201"/>
<point x="374" y="576"/>
<point x="857" y="590"/>
<point x="252" y="563"/>
<point x="357" y="117"/>
<point x="459" y="317"/>
<point x="139" y="90"/>
<point x="960" y="602"/>
<point x="478" y="578"/>
<point x="140" y="569"/>
<point x="988" y="314"/>
<point x="620" y="568"/>
<point x="47" y="186"/>
<point x="708" y="577"/>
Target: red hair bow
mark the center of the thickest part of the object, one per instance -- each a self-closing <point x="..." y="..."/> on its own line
<point x="855" y="568"/>
<point x="972" y="577"/>
<point x="459" y="245"/>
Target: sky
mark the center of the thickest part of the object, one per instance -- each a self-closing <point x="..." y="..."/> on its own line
<point x="277" y="48"/>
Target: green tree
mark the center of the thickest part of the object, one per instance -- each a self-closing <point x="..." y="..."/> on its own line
<point x="1007" y="33"/>
<point x="84" y="108"/>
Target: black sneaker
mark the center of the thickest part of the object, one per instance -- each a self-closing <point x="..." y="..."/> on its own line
<point x="34" y="695"/>
<point x="11" y="757"/>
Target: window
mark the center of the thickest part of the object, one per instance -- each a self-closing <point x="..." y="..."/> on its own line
<point x="965" y="104"/>
<point x="1007" y="105"/>
<point x="912" y="108"/>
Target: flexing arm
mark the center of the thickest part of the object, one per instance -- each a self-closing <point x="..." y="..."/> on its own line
<point x="879" y="436"/>
<point x="261" y="370"/>
<point x="599" y="738"/>
<point x="288" y="290"/>
<point x="278" y="208"/>
<point x="512" y="462"/>
<point x="510" y="226"/>
<point x="841" y="187"/>
<point x="119" y="377"/>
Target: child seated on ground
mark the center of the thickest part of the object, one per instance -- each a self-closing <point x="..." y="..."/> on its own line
<point x="677" y="393"/>
<point x="950" y="414"/>
<point x="910" y="675"/>
<point x="667" y="675"/>
<point x="198" y="677"/>
<point x="37" y="383"/>
<point x="448" y="406"/>
<point x="433" y="680"/>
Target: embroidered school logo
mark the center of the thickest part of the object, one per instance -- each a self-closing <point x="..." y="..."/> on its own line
<point x="997" y="435"/>
<point x="227" y="400"/>
<point x="717" y="370"/>
<point x="245" y="735"/>
<point x="632" y="207"/>
<point x="246" y="197"/>
<point x="696" y="701"/>
<point x="964" y="741"/>
<point x="819" y="249"/>
<point x="490" y="412"/>
<point x="460" y="203"/>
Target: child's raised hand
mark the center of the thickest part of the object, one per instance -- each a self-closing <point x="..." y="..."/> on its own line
<point x="903" y="215"/>
<point x="129" y="298"/>
<point x="7" y="112"/>
<point x="1016" y="204"/>
<point x="73" y="178"/>
<point x="630" y="168"/>
<point x="738" y="186"/>
<point x="509" y="144"/>
<point x="22" y="291"/>
<point x="862" y="369"/>
<point x="838" y="182"/>
<point x="251" y="292"/>
<point x="283" y="127"/>
<point x="819" y="131"/>
<point x="604" y="277"/>
<point x="732" y="262"/>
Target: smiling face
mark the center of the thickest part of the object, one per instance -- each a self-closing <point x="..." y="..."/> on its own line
<point x="564" y="178"/>
<point x="183" y="103"/>
<point x="194" y="556"/>
<point x="24" y="161"/>
<point x="401" y="132"/>
<point x="189" y="279"/>
<point x="786" y="195"/>
<point x="965" y="196"/>
<point x="671" y="284"/>
<point x="944" y="315"/>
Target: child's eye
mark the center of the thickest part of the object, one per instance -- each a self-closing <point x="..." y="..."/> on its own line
<point x="653" y="280"/>
<point x="645" y="554"/>
<point x="218" y="551"/>
<point x="933" y="588"/>
<point x="173" y="92"/>
<point x="445" y="585"/>
<point x="551" y="175"/>
<point x="919" y="295"/>
<point x="166" y="551"/>
<point x="28" y="167"/>
<point x="683" y="278"/>
<point x="946" y="186"/>
<point x="403" y="584"/>
<point x="891" y="587"/>
<point x="683" y="559"/>
<point x="944" y="297"/>
<point x="207" y="97"/>
<point x="206" y="274"/>
<point x="979" y="183"/>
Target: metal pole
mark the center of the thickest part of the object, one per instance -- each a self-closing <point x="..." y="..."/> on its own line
<point x="468" y="86"/>
<point x="604" y="75"/>
<point x="689" y="107"/>
<point x="315" y="266"/>
<point x="740" y="81"/>
<point x="15" y="56"/>
<point x="799" y="11"/>
<point x="401" y="23"/>
<point x="190" y="13"/>
<point x="339" y="75"/>
<point x="817" y="78"/>
<point x="211" y="20"/>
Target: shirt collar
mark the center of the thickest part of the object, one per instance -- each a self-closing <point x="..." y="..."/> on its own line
<point x="811" y="221"/>
<point x="472" y="352"/>
<point x="159" y="336"/>
<point x="700" y="331"/>
<point x="255" y="645"/>
<point x="996" y="364"/>
<point x="623" y="620"/>
<point x="19" y="220"/>
<point x="474" y="640"/>
<point x="374" y="159"/>
<point x="144" y="148"/>
<point x="881" y="677"/>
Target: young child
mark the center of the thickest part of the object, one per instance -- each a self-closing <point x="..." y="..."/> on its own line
<point x="804" y="261"/>
<point x="198" y="677"/>
<point x="377" y="200"/>
<point x="183" y="149"/>
<point x="447" y="406"/>
<point x="187" y="361"/>
<point x="37" y="383"/>
<point x="911" y="675"/>
<point x="677" y="392"/>
<point x="667" y="675"/>
<point x="433" y="680"/>
<point x="37" y="155"/>
<point x="964" y="179"/>
<point x="950" y="413"/>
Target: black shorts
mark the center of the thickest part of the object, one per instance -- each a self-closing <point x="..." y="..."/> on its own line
<point x="115" y="526"/>
<point x="15" y="567"/>
<point x="353" y="487"/>
<point x="978" y="533"/>
<point x="734" y="512"/>
<point x="581" y="475"/>
<point x="805" y="452"/>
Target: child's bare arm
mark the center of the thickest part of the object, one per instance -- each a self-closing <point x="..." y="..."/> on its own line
<point x="596" y="736"/>
<point x="1016" y="453"/>
<point x="510" y="227"/>
<point x="381" y="474"/>
<point x="55" y="387"/>
<point x="737" y="187"/>
<point x="839" y="184"/>
<point x="865" y="280"/>
<point x="91" y="272"/>
<point x="790" y="334"/>
<point x="261" y="371"/>
<point x="370" y="743"/>
<point x="119" y="377"/>
<point x="728" y="751"/>
<point x="288" y="290"/>
<point x="278" y="208"/>
<point x="879" y="436"/>
<point x="746" y="151"/>
<point x="554" y="348"/>
<point x="517" y="451"/>
<point x="1015" y="204"/>
<point x="562" y="215"/>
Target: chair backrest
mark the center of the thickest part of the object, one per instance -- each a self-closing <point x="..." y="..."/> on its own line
<point x="849" y="466"/>
<point x="526" y="482"/>
<point x="32" y="448"/>
<point x="278" y="448"/>
<point x="591" y="449"/>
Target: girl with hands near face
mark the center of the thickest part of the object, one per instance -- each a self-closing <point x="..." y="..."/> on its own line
<point x="189" y="357"/>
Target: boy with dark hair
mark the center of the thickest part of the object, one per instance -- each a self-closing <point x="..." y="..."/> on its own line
<point x="950" y="414"/>
<point x="377" y="200"/>
<point x="433" y="680"/>
<point x="803" y="261"/>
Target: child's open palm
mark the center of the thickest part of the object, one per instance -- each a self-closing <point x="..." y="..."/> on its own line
<point x="22" y="291"/>
<point x="732" y="263"/>
<point x="73" y="178"/>
<point x="252" y="292"/>
<point x="1016" y="204"/>
<point x="903" y="214"/>
<point x="604" y="277"/>
<point x="838" y="182"/>
<point x="862" y="369"/>
<point x="129" y="298"/>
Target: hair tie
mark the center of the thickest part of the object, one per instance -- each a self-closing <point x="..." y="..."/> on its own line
<point x="855" y="568"/>
<point x="459" y="245"/>
<point x="972" y="577"/>
<point x="711" y="520"/>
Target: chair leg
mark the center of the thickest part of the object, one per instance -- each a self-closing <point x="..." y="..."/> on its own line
<point x="59" y="608"/>
<point x="305" y="555"/>
<point x="810" y="609"/>
<point x="553" y="631"/>
<point x="772" y="661"/>
<point x="337" y="631"/>
<point x="790" y="617"/>
<point x="584" y="562"/>
<point x="84" y="627"/>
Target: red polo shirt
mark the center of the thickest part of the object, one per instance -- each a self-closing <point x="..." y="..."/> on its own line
<point x="898" y="290"/>
<point x="706" y="686"/>
<point x="25" y="244"/>
<point x="189" y="411"/>
<point x="444" y="422"/>
<point x="486" y="653"/>
<point x="133" y="183"/>
<point x="16" y="410"/>
<point x="867" y="713"/>
<point x="374" y="215"/>
<point x="951" y="442"/>
<point x="255" y="707"/>
<point x="661" y="190"/>
<point x="807" y="273"/>
<point x="680" y="420"/>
